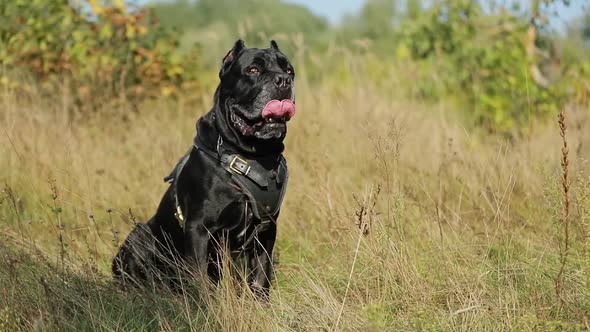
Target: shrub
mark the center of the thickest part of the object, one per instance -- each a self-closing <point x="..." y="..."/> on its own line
<point x="92" y="52"/>
<point x="482" y="57"/>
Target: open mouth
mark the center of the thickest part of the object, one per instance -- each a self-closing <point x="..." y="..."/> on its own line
<point x="271" y="123"/>
<point x="247" y="128"/>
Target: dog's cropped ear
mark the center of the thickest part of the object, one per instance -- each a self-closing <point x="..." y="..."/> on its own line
<point x="274" y="46"/>
<point x="231" y="56"/>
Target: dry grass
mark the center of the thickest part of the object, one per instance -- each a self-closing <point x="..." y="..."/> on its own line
<point x="564" y="218"/>
<point x="396" y="218"/>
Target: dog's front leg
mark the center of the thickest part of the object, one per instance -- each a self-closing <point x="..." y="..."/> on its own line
<point x="196" y="243"/>
<point x="262" y="263"/>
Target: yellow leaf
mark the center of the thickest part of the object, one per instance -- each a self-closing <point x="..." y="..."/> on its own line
<point x="96" y="7"/>
<point x="130" y="30"/>
<point x="119" y="4"/>
<point x="402" y="52"/>
<point x="106" y="32"/>
<point x="167" y="91"/>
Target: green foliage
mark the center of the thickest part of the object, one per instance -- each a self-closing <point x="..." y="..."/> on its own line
<point x="481" y="57"/>
<point x="375" y="20"/>
<point x="254" y="21"/>
<point x="487" y="59"/>
<point x="264" y="15"/>
<point x="112" y="52"/>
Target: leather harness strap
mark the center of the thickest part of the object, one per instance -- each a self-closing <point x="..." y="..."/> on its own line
<point x="264" y="182"/>
<point x="235" y="164"/>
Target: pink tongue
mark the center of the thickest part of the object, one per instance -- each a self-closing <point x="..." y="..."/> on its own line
<point x="276" y="109"/>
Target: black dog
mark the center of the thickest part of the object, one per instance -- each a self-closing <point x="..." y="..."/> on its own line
<point x="226" y="192"/>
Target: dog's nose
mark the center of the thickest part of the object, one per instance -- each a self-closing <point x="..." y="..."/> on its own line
<point x="283" y="81"/>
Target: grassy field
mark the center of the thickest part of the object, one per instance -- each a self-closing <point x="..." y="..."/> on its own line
<point x="397" y="218"/>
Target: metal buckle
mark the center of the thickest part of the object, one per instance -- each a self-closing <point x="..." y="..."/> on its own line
<point x="178" y="215"/>
<point x="236" y="170"/>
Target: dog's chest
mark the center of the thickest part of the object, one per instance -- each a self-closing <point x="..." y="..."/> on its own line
<point x="253" y="191"/>
<point x="262" y="202"/>
<point x="264" y="187"/>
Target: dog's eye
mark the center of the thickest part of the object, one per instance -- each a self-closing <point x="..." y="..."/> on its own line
<point x="289" y="71"/>
<point x="252" y="70"/>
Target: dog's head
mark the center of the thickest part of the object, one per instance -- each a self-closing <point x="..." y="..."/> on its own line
<point x="257" y="91"/>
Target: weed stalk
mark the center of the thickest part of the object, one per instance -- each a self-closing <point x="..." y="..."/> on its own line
<point x="564" y="219"/>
